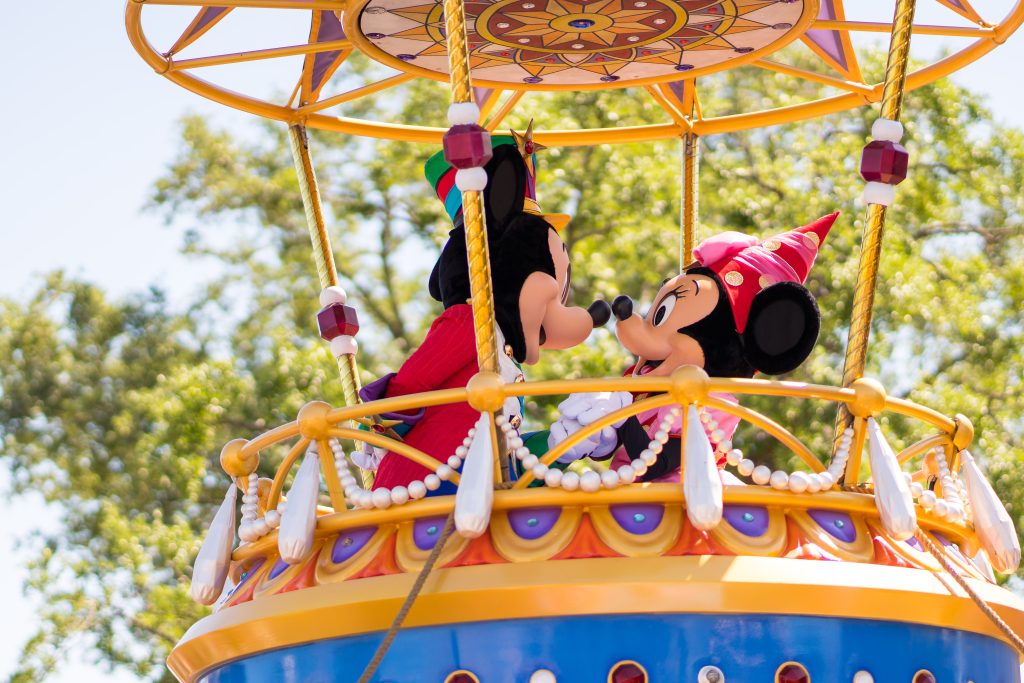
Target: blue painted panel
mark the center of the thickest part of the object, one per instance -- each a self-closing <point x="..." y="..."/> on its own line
<point x="672" y="647"/>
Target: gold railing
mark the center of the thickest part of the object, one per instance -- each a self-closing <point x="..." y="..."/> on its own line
<point x="317" y="422"/>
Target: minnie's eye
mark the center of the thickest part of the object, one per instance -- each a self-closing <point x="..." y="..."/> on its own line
<point x="664" y="310"/>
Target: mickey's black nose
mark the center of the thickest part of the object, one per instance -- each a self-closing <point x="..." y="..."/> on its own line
<point x="622" y="307"/>
<point x="600" y="312"/>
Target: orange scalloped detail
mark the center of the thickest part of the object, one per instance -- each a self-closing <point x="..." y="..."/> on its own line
<point x="479" y="551"/>
<point x="885" y="554"/>
<point x="585" y="544"/>
<point x="383" y="564"/>
<point x="693" y="541"/>
<point x="803" y="548"/>
<point x="306" y="578"/>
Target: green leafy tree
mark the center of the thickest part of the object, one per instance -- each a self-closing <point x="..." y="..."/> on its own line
<point x="116" y="409"/>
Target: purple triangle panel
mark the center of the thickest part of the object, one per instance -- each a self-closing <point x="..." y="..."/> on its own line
<point x="827" y="11"/>
<point x="678" y="88"/>
<point x="832" y="45"/>
<point x="203" y="19"/>
<point x="829" y="41"/>
<point x="330" y="29"/>
<point x="480" y="95"/>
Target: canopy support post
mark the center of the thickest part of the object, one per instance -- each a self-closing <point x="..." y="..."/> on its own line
<point x="691" y="197"/>
<point x="323" y="254"/>
<point x="871" y="246"/>
<point x="477" y="252"/>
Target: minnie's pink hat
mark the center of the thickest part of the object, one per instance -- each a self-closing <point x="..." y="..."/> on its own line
<point x="746" y="265"/>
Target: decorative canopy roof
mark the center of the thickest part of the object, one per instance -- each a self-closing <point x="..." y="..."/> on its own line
<point x="661" y="47"/>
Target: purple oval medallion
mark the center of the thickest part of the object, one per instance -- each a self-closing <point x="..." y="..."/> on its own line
<point x="749" y="520"/>
<point x="638" y="519"/>
<point x="350" y="542"/>
<point x="838" y="524"/>
<point x="532" y="523"/>
<point x="425" y="532"/>
<point x="278" y="569"/>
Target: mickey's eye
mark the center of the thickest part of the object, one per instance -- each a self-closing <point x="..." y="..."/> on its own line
<point x="664" y="310"/>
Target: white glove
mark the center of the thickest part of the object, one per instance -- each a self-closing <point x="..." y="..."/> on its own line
<point x="369" y="457"/>
<point x="580" y="410"/>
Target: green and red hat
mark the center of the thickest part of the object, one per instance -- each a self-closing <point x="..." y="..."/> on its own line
<point x="441" y="176"/>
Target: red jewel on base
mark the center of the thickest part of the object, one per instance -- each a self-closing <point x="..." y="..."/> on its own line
<point x="924" y="677"/>
<point x="792" y="673"/>
<point x="628" y="672"/>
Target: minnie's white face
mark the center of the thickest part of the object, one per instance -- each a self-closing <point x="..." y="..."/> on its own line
<point x="656" y="340"/>
<point x="547" y="321"/>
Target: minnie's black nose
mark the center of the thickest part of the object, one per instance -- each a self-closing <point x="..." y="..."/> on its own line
<point x="600" y="312"/>
<point x="622" y="307"/>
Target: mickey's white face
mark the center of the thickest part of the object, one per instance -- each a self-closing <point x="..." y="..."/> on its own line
<point x="547" y="321"/>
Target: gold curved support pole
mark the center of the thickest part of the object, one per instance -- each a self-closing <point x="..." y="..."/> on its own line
<point x="323" y="254"/>
<point x="871" y="247"/>
<point x="331" y="475"/>
<point x="691" y="196"/>
<point x="473" y="216"/>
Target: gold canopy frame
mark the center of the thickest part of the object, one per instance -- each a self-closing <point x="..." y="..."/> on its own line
<point x="503" y="98"/>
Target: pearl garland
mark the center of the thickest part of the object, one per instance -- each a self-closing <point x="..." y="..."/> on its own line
<point x="383" y="498"/>
<point x="797" y="482"/>
<point x="952" y="505"/>
<point x="252" y="527"/>
<point x="590" y="480"/>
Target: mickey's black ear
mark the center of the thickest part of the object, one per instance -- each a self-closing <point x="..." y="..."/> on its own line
<point x="449" y="280"/>
<point x="506" y="185"/>
<point x="781" y="329"/>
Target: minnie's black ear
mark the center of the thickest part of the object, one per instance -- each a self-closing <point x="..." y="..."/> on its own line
<point x="781" y="329"/>
<point x="506" y="186"/>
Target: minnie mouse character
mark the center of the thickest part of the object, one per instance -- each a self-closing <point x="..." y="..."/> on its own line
<point x="740" y="308"/>
<point x="531" y="278"/>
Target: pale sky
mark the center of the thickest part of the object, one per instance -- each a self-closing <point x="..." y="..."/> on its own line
<point x="86" y="128"/>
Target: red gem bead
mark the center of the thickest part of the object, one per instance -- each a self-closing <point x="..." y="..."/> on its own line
<point x="884" y="161"/>
<point x="792" y="673"/>
<point x="337" y="319"/>
<point x="924" y="677"/>
<point x="467" y="145"/>
<point x="460" y="678"/>
<point x="628" y="672"/>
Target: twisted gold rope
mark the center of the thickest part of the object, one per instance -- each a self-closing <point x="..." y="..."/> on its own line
<point x="691" y="195"/>
<point x="323" y="254"/>
<point x="481" y="293"/>
<point x="973" y="594"/>
<point x="871" y="249"/>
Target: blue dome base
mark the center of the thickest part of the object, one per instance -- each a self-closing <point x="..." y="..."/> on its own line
<point x="672" y="647"/>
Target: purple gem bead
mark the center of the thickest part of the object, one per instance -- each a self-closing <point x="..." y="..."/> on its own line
<point x="467" y="145"/>
<point x="884" y="161"/>
<point x="337" y="319"/>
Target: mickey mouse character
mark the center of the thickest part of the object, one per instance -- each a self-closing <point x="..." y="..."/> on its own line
<point x="740" y="308"/>
<point x="531" y="277"/>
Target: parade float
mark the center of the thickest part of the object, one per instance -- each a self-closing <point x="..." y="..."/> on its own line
<point x="394" y="545"/>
